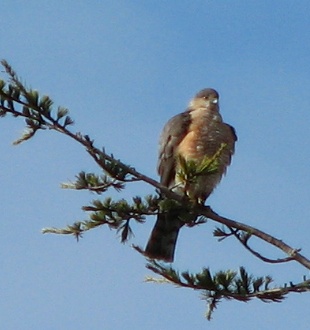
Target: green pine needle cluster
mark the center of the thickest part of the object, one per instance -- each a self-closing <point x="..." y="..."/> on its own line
<point x="94" y="182"/>
<point x="115" y="214"/>
<point x="190" y="170"/>
<point x="222" y="285"/>
<point x="36" y="109"/>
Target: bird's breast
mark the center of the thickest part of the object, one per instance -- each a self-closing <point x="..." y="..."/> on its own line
<point x="202" y="136"/>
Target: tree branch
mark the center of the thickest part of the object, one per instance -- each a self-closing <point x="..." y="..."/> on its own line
<point x="291" y="252"/>
<point x="243" y="238"/>
<point x="239" y="286"/>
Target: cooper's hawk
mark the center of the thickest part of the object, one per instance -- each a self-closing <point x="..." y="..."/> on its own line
<point x="195" y="134"/>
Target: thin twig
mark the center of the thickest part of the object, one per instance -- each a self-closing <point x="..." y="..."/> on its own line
<point x="291" y="252"/>
<point x="255" y="253"/>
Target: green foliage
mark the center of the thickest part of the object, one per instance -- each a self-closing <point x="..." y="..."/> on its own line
<point x="190" y="170"/>
<point x="93" y="182"/>
<point x="36" y="109"/>
<point x="116" y="214"/>
<point x="184" y="211"/>
<point x="227" y="284"/>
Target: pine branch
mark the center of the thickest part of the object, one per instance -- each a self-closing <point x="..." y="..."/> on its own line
<point x="228" y="284"/>
<point x="115" y="214"/>
<point x="94" y="183"/>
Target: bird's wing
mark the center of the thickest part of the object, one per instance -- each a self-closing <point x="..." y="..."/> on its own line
<point x="173" y="133"/>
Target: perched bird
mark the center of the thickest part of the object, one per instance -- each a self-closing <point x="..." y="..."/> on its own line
<point x="195" y="134"/>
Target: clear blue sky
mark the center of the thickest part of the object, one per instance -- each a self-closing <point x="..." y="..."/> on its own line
<point x="124" y="68"/>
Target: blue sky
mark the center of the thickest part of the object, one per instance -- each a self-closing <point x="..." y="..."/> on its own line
<point x="123" y="68"/>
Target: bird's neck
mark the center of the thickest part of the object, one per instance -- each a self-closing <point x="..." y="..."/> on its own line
<point x="204" y="113"/>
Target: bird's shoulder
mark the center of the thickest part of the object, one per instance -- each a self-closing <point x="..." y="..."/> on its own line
<point x="177" y="125"/>
<point x="232" y="131"/>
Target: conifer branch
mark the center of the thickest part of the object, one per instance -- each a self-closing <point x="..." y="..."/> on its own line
<point x="230" y="285"/>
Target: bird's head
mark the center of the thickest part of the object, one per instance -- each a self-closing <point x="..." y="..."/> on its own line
<point x="207" y="98"/>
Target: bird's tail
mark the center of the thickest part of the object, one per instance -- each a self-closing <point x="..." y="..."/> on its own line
<point x="162" y="242"/>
